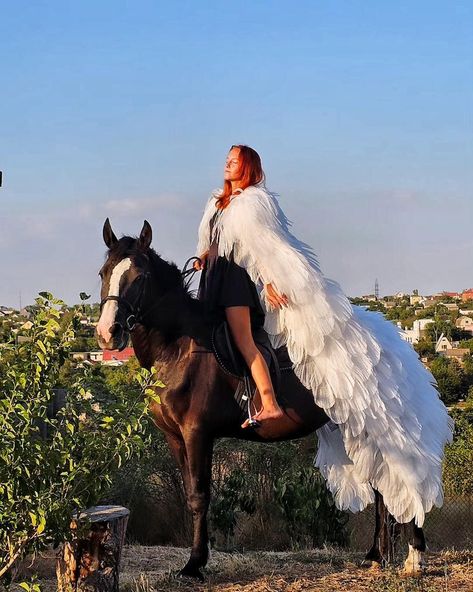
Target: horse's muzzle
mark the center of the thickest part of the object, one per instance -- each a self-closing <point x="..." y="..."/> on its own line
<point x="119" y="339"/>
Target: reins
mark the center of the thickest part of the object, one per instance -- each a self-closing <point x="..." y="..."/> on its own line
<point x="189" y="273"/>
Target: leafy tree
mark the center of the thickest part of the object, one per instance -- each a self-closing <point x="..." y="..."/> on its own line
<point x="425" y="348"/>
<point x="52" y="466"/>
<point x="468" y="371"/>
<point x="467" y="343"/>
<point x="84" y="343"/>
<point x="434" y="330"/>
<point x="450" y="378"/>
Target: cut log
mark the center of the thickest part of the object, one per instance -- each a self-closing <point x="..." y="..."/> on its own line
<point x="90" y="562"/>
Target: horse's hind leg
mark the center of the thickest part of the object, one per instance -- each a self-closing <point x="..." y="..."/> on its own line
<point x="386" y="530"/>
<point x="415" y="564"/>
<point x="199" y="449"/>
<point x="382" y="550"/>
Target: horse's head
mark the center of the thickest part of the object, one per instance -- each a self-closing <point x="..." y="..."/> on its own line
<point x="125" y="278"/>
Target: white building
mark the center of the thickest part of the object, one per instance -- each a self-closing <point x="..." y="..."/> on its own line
<point x="417" y="332"/>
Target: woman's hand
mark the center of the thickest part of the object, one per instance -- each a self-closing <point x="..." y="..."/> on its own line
<point x="274" y="299"/>
<point x="199" y="265"/>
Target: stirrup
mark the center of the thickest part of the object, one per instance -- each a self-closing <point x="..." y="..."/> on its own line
<point x="253" y="424"/>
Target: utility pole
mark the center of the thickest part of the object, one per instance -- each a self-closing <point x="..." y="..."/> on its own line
<point x="376" y="289"/>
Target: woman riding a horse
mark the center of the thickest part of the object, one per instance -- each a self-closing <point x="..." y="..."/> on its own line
<point x="380" y="423"/>
<point x="228" y="291"/>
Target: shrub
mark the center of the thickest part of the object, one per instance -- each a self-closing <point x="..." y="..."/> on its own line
<point x="277" y="484"/>
<point x="457" y="473"/>
<point x="53" y="466"/>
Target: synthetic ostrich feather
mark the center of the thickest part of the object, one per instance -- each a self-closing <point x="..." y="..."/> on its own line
<point x="390" y="425"/>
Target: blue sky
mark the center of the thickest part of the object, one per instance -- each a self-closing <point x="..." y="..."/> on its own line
<point x="361" y="111"/>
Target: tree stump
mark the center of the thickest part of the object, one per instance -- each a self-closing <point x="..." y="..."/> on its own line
<point x="90" y="562"/>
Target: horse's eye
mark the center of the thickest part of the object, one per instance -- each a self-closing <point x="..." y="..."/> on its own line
<point x="101" y="274"/>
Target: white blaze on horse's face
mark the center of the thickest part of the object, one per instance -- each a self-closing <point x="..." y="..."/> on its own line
<point x="109" y="310"/>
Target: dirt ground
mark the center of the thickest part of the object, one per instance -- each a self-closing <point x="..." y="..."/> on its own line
<point x="150" y="569"/>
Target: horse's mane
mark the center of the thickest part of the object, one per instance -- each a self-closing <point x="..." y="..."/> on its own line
<point x="169" y="273"/>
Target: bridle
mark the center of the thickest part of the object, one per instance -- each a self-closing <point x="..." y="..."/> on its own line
<point x="135" y="313"/>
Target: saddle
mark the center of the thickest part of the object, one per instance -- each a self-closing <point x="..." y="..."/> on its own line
<point x="231" y="361"/>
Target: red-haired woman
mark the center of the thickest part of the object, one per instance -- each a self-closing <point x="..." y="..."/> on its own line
<point x="388" y="427"/>
<point x="226" y="287"/>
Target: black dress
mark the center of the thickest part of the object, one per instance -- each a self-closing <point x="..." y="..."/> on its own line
<point x="223" y="283"/>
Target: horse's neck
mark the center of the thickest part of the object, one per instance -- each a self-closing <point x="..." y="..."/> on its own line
<point x="152" y="346"/>
<point x="165" y="339"/>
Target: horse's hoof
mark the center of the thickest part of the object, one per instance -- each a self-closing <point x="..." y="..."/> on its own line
<point x="191" y="572"/>
<point x="414" y="566"/>
<point x="413" y="571"/>
<point x="375" y="567"/>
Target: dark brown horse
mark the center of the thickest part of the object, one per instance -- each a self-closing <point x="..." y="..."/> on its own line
<point x="146" y="297"/>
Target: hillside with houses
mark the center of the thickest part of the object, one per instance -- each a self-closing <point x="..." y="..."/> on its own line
<point x="438" y="326"/>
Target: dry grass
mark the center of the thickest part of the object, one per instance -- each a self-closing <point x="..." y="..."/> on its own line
<point x="152" y="569"/>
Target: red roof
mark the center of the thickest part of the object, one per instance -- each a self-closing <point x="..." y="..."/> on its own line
<point x="122" y="356"/>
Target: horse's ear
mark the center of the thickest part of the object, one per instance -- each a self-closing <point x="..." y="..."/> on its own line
<point x="108" y="235"/>
<point x="146" y="235"/>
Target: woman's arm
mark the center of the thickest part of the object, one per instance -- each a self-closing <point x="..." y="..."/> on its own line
<point x="199" y="265"/>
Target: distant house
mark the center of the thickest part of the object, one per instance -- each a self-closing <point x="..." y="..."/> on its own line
<point x="429" y="301"/>
<point x="465" y="323"/>
<point x="456" y="353"/>
<point x="79" y="356"/>
<point x="452" y="294"/>
<point x="415" y="299"/>
<point x="117" y="358"/>
<point x="87" y="356"/>
<point x="443" y="343"/>
<point x="451" y="306"/>
<point x="467" y="295"/>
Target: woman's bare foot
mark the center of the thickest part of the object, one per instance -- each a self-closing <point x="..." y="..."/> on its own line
<point x="265" y="414"/>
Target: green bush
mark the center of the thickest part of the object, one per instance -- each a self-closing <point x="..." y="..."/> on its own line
<point x="53" y="466"/>
<point x="278" y="485"/>
<point x="458" y="463"/>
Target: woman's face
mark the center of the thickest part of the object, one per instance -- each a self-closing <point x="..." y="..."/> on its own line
<point x="232" y="168"/>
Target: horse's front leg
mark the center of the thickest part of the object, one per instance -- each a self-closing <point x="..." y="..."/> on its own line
<point x="199" y="449"/>
<point x="178" y="449"/>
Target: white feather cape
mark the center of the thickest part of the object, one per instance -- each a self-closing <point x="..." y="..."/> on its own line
<point x="391" y="425"/>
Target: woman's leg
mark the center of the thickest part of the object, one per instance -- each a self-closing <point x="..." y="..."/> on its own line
<point x="238" y="318"/>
